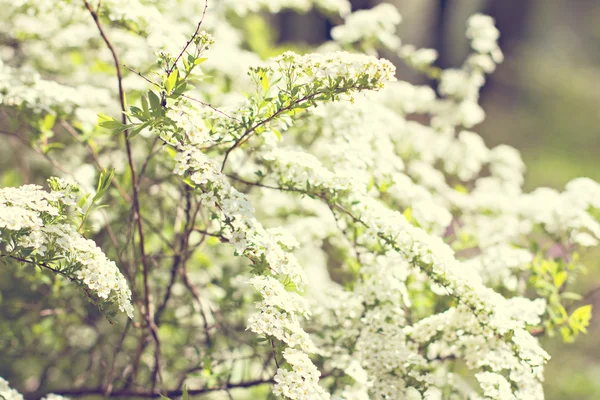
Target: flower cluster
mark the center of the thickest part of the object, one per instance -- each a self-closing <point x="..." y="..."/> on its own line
<point x="377" y="23"/>
<point x="406" y="240"/>
<point x="358" y="70"/>
<point x="279" y="309"/>
<point x="34" y="228"/>
<point x="301" y="381"/>
<point x="244" y="7"/>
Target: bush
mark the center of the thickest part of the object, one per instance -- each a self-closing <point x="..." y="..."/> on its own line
<point x="312" y="229"/>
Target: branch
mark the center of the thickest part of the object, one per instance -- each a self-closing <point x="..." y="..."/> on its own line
<point x="135" y="198"/>
<point x="172" y="67"/>
<point x="80" y="392"/>
<point x="246" y="135"/>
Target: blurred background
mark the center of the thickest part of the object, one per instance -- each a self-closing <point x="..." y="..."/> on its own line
<point x="544" y="100"/>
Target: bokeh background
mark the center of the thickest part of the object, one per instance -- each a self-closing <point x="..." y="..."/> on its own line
<point x="544" y="100"/>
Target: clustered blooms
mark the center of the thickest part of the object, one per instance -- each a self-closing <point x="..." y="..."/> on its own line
<point x="279" y="308"/>
<point x="34" y="228"/>
<point x="244" y="7"/>
<point x="358" y="70"/>
<point x="402" y="234"/>
<point x="487" y="310"/>
<point x="301" y="381"/>
<point x="483" y="318"/>
<point x="377" y="23"/>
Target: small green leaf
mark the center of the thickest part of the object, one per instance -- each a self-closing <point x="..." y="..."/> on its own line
<point x="566" y="334"/>
<point x="580" y="319"/>
<point x="277" y="133"/>
<point x="560" y="278"/>
<point x="460" y="188"/>
<point x="154" y="102"/>
<point x="135" y="131"/>
<point x="113" y="125"/>
<point x="171" y="80"/>
<point x="571" y="296"/>
<point x="145" y="107"/>
<point x="82" y="200"/>
<point x="408" y="214"/>
<point x="48" y="122"/>
<point x="264" y="80"/>
<point x="185" y="396"/>
<point x="180" y="89"/>
<point x="103" y="117"/>
<point x="104" y="181"/>
<point x="199" y="61"/>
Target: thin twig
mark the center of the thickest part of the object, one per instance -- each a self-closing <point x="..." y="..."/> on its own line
<point x="246" y="135"/>
<point x="135" y="199"/>
<point x="205" y="104"/>
<point x="172" y="67"/>
<point x="80" y="392"/>
<point x="109" y="379"/>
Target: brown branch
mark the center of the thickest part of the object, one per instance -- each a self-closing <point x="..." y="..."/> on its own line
<point x="172" y="67"/>
<point x="203" y="103"/>
<point x="196" y="295"/>
<point x="180" y="256"/>
<point x="135" y="200"/>
<point x="109" y="379"/>
<point x="80" y="392"/>
<point x="142" y="76"/>
<point x="246" y="135"/>
<point x="209" y="106"/>
<point x="42" y="265"/>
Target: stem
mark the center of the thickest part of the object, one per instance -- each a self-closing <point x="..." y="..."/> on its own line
<point x="172" y="67"/>
<point x="135" y="199"/>
<point x="80" y="392"/>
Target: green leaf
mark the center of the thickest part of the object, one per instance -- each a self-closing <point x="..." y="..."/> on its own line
<point x="185" y="396"/>
<point x="277" y="133"/>
<point x="264" y="80"/>
<point x="48" y="122"/>
<point x="180" y="89"/>
<point x="560" y="278"/>
<point x="47" y="147"/>
<point x="460" y="188"/>
<point x="82" y="200"/>
<point x="104" y="181"/>
<point x="571" y="296"/>
<point x="145" y="107"/>
<point x="199" y="61"/>
<point x="154" y="102"/>
<point x="104" y="117"/>
<point x="113" y="125"/>
<point x="135" y="131"/>
<point x="408" y="214"/>
<point x="580" y="318"/>
<point x="171" y="80"/>
<point x="566" y="334"/>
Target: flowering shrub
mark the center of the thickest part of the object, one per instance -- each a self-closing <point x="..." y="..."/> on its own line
<point x="301" y="226"/>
